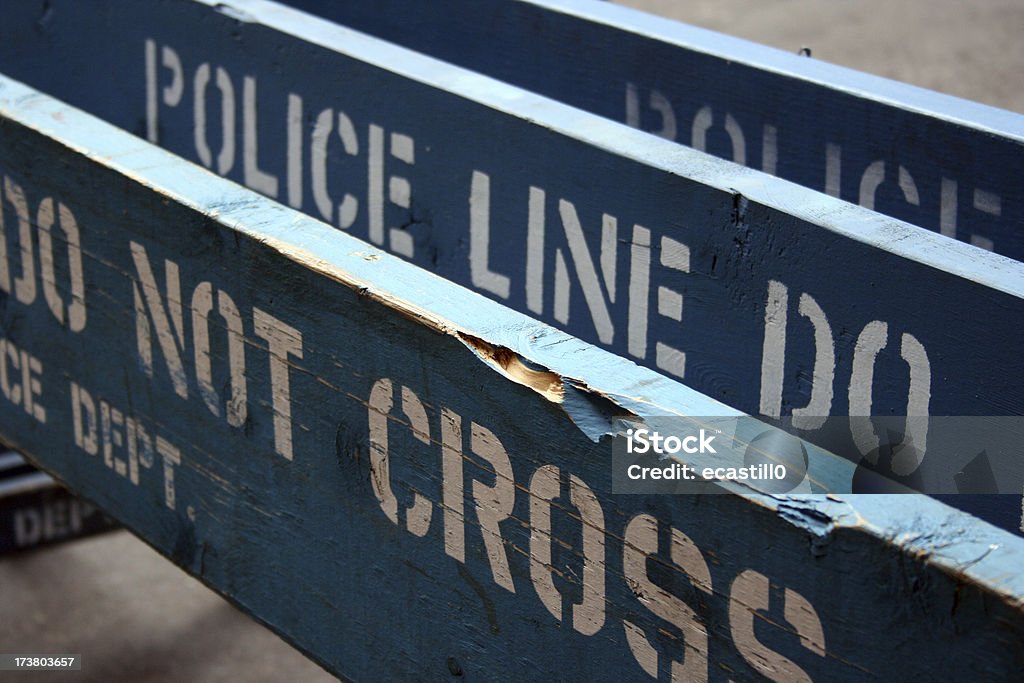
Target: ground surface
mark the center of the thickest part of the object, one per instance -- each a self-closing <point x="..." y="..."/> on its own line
<point x="968" y="49"/>
<point x="135" y="617"/>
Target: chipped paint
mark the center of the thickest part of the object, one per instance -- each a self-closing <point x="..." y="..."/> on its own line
<point x="466" y="455"/>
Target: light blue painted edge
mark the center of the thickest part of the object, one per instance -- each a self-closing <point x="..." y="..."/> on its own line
<point x="854" y="222"/>
<point x="27" y="483"/>
<point x="948" y="539"/>
<point x="950" y="108"/>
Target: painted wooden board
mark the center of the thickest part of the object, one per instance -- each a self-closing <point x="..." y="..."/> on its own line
<point x="400" y="476"/>
<point x="36" y="511"/>
<point x="936" y="161"/>
<point x="758" y="292"/>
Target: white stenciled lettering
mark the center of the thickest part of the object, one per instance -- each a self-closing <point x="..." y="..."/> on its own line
<point x="202" y="306"/>
<point x="24" y="284"/>
<point x="812" y="416"/>
<point x="128" y="448"/>
<point x="749" y="595"/>
<point x="453" y="485"/>
<point x="112" y="433"/>
<point x="587" y="564"/>
<point x="50" y="215"/>
<point x="74" y="312"/>
<point x="160" y="312"/>
<point x="494" y="503"/>
<point x="874" y="176"/>
<point x="21" y="379"/>
<point x="703" y="121"/>
<point x="586" y="273"/>
<point x="417" y="517"/>
<point x="986" y="202"/>
<point x="773" y="352"/>
<point x="659" y="103"/>
<point x="544" y="488"/>
<point x="380" y="149"/>
<point x="403" y="148"/>
<point x="770" y="149"/>
<point x="171" y="93"/>
<point x="773" y="358"/>
<point x="294" y="150"/>
<point x="480" y="272"/>
<point x="140" y="448"/>
<point x="349" y="206"/>
<point x="51" y="521"/>
<point x="283" y="341"/>
<point x="255" y="178"/>
<point x="639" y="544"/>
<point x="872" y="339"/>
<point x="589" y="264"/>
<point x="948" y="203"/>
<point x="675" y="256"/>
<point x="632" y="105"/>
<point x="152" y="132"/>
<point x="171" y="457"/>
<point x="226" y="156"/>
<point x="833" y="169"/>
<point x="587" y="616"/>
<point x="639" y="290"/>
<point x="83" y="417"/>
<point x="535" y="251"/>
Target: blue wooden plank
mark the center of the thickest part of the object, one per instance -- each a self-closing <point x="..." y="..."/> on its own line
<point x="936" y="161"/>
<point x="35" y="511"/>
<point x="400" y="476"/>
<point x="720" y="276"/>
<point x="766" y="384"/>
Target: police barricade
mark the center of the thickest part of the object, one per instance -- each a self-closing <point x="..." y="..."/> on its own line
<point x="936" y="161"/>
<point x="36" y="511"/>
<point x="408" y="480"/>
<point x="722" y="277"/>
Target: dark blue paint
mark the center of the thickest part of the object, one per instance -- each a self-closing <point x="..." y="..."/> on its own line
<point x="36" y="511"/>
<point x="303" y="543"/>
<point x="590" y="55"/>
<point x="743" y="229"/>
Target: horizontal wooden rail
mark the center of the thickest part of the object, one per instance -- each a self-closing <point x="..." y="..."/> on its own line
<point x="36" y="511"/>
<point x="932" y="160"/>
<point x="401" y="477"/>
<point x="762" y="294"/>
<point x="758" y="292"/>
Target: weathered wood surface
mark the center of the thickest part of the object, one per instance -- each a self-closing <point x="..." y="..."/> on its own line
<point x="398" y="475"/>
<point x="757" y="292"/>
<point x="36" y="511"/>
<point x="909" y="153"/>
<point x="936" y="161"/>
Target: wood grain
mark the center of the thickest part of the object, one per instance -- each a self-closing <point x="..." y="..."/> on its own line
<point x="929" y="159"/>
<point x="349" y="497"/>
<point x="767" y="296"/>
<point x="660" y="254"/>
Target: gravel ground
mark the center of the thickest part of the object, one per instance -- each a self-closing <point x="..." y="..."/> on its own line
<point x="135" y="617"/>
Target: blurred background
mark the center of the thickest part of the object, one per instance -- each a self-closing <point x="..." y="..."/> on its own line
<point x="968" y="49"/>
<point x="135" y="617"/>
